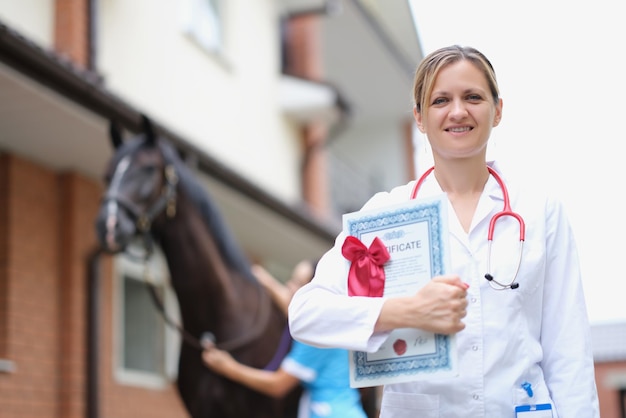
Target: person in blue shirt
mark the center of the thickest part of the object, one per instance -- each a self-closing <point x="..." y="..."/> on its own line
<point x="322" y="372"/>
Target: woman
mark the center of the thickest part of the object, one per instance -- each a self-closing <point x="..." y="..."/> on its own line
<point x="322" y="372"/>
<point x="522" y="340"/>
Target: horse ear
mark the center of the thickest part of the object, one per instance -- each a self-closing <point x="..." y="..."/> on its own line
<point x="148" y="129"/>
<point x="115" y="134"/>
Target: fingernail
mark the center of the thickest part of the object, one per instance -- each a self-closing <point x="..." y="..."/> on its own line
<point x="466" y="285"/>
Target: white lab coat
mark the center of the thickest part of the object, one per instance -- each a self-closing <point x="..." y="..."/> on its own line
<point x="538" y="333"/>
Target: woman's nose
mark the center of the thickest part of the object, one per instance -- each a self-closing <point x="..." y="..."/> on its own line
<point x="458" y="109"/>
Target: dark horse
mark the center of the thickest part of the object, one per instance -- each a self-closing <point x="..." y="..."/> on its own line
<point x="153" y="195"/>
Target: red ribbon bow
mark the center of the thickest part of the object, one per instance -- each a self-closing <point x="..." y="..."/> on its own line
<point x="367" y="275"/>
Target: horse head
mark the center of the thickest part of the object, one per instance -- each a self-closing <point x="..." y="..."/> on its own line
<point x="141" y="187"/>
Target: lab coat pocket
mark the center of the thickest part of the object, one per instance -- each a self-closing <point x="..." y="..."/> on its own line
<point x="409" y="405"/>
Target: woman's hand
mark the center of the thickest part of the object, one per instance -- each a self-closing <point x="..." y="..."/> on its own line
<point x="278" y="291"/>
<point x="262" y="275"/>
<point x="437" y="307"/>
<point x="219" y="361"/>
<point x="273" y="383"/>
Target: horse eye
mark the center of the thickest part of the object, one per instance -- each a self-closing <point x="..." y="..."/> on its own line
<point x="149" y="169"/>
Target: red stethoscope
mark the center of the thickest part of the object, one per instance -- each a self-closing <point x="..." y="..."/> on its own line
<point x="506" y="211"/>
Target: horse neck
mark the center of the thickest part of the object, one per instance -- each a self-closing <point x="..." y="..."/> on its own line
<point x="211" y="295"/>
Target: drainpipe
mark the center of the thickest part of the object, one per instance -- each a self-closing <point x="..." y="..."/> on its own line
<point x="92" y="401"/>
<point x="92" y="33"/>
<point x="92" y="393"/>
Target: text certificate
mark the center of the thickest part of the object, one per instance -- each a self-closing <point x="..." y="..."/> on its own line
<point x="415" y="235"/>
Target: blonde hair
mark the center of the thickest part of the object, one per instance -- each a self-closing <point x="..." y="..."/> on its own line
<point x="433" y="63"/>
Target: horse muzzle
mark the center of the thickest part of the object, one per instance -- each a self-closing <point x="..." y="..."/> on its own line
<point x="114" y="229"/>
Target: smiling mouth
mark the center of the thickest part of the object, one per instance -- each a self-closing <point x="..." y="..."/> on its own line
<point x="460" y="129"/>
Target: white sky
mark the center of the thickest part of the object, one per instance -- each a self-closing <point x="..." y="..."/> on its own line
<point x="561" y="68"/>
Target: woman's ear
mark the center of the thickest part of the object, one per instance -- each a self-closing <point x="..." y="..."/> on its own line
<point x="418" y="119"/>
<point x="498" y="117"/>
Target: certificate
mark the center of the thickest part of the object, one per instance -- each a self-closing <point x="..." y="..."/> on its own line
<point x="415" y="234"/>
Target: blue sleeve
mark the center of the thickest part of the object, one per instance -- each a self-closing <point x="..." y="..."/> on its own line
<point x="304" y="361"/>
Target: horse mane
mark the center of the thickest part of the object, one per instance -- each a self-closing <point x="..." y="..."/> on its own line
<point x="230" y="251"/>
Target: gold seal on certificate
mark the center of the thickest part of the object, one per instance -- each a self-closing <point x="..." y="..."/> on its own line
<point x="415" y="235"/>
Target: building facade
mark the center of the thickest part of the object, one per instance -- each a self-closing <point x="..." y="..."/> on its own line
<point x="279" y="113"/>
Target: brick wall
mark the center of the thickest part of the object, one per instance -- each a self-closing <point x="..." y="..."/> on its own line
<point x="608" y="390"/>
<point x="46" y="236"/>
<point x="31" y="266"/>
<point x="304" y="59"/>
<point x="71" y="30"/>
<point x="303" y="48"/>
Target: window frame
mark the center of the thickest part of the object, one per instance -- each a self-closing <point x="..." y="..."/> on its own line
<point x="197" y="16"/>
<point x="126" y="268"/>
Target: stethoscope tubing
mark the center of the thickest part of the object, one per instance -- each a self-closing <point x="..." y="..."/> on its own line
<point x="506" y="211"/>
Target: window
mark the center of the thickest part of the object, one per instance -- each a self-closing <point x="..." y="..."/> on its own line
<point x="202" y="20"/>
<point x="144" y="335"/>
<point x="146" y="348"/>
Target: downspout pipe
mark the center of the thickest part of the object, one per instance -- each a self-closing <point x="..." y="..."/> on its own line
<point x="92" y="333"/>
<point x="92" y="34"/>
<point x="92" y="401"/>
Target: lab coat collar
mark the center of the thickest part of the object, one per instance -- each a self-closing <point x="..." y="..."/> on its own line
<point x="492" y="197"/>
<point x="431" y="187"/>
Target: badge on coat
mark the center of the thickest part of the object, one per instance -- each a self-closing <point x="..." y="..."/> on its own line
<point x="543" y="410"/>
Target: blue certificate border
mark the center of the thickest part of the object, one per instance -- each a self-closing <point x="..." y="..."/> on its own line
<point x="431" y="212"/>
<point x="407" y="365"/>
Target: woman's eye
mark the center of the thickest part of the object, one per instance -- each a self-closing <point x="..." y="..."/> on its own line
<point x="474" y="97"/>
<point x="439" y="101"/>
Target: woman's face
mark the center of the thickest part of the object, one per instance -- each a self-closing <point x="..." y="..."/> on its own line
<point x="460" y="113"/>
